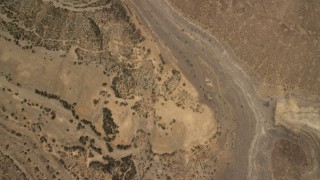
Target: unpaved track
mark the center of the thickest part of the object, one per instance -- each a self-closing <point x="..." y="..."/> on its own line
<point x="233" y="93"/>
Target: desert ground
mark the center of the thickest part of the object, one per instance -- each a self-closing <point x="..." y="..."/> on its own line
<point x="148" y="89"/>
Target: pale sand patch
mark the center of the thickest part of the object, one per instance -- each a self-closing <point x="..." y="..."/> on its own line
<point x="293" y="117"/>
<point x="123" y="118"/>
<point x="190" y="129"/>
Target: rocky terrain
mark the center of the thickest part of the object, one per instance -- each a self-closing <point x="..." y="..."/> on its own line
<point x="277" y="44"/>
<point x="111" y="89"/>
<point x="277" y="41"/>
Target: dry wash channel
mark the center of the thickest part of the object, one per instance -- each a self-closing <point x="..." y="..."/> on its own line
<point x="86" y="94"/>
<point x="111" y="89"/>
<point x="251" y="141"/>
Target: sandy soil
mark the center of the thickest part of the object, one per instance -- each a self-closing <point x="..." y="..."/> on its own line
<point x="137" y="90"/>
